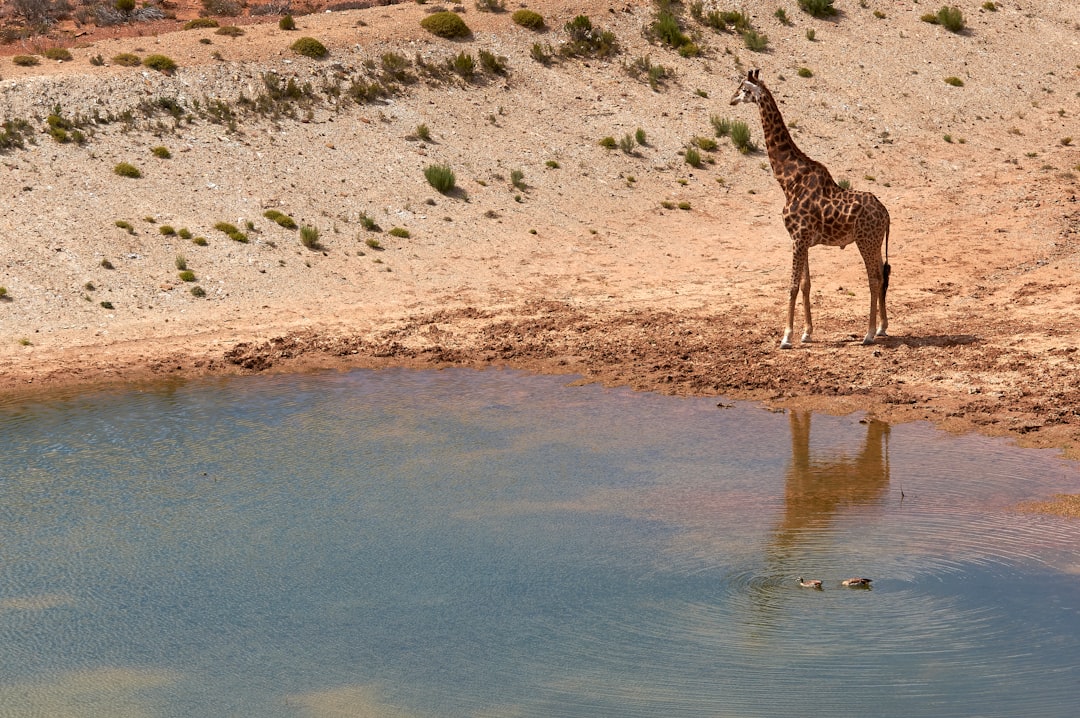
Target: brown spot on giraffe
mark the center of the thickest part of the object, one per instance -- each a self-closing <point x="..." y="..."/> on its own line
<point x="819" y="211"/>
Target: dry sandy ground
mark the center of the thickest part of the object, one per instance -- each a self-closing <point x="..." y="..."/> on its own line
<point x="583" y="269"/>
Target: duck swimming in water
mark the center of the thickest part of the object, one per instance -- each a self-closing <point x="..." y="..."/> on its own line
<point x="856" y="582"/>
<point x="812" y="583"/>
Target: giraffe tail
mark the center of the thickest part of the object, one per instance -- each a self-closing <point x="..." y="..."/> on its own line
<point x="886" y="270"/>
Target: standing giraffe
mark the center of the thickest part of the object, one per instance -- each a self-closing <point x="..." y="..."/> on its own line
<point x="819" y="211"/>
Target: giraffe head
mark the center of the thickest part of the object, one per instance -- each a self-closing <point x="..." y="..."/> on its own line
<point x="750" y="89"/>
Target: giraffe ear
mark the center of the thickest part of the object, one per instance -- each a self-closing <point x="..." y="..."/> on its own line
<point x="756" y="75"/>
<point x="750" y="75"/>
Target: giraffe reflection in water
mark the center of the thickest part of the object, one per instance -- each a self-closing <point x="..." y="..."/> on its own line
<point x="817" y="485"/>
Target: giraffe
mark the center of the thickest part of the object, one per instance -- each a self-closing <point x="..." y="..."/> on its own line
<point x="819" y="211"/>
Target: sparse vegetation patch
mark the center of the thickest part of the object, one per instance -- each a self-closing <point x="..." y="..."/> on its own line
<point x="446" y="24"/>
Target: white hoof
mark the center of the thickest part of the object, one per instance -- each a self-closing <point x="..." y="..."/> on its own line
<point x="882" y="333"/>
<point x="806" y="338"/>
<point x="868" y="340"/>
<point x="785" y="344"/>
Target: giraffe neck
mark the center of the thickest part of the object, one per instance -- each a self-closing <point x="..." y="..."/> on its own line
<point x="789" y="163"/>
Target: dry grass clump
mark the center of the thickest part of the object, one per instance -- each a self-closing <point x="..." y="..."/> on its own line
<point x="529" y="19"/>
<point x="310" y="47"/>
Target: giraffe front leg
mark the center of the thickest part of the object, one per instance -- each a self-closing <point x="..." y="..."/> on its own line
<point x="798" y="264"/>
<point x="808" y="326"/>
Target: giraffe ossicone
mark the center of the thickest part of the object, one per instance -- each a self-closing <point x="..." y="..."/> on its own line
<point x="819" y="211"/>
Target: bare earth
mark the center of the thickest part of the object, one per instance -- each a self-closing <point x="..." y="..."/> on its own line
<point x="582" y="270"/>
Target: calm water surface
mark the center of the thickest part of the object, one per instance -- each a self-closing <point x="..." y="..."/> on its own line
<point x="463" y="543"/>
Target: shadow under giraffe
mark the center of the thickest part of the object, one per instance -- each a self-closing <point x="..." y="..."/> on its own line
<point x="819" y="211"/>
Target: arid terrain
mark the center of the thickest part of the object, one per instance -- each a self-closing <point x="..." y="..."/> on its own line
<point x="555" y="254"/>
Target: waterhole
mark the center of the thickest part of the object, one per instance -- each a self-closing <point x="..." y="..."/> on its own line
<point x="459" y="543"/>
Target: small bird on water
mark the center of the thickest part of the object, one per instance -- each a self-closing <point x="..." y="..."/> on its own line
<point x="812" y="583"/>
<point x="856" y="582"/>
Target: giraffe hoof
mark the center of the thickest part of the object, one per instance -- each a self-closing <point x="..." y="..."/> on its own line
<point x="868" y="340"/>
<point x="806" y="339"/>
<point x="785" y="344"/>
<point x="882" y="333"/>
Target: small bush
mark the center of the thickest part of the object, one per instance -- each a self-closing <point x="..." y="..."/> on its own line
<point x="400" y="232"/>
<point x="229" y="31"/>
<point x="463" y="64"/>
<point x="287" y="23"/>
<point x="97" y="60"/>
<point x="627" y="143"/>
<point x="706" y="143"/>
<point x="541" y="53"/>
<point x="200" y="22"/>
<point x="25" y="60"/>
<point x="200" y="241"/>
<point x="310" y="47"/>
<point x="586" y="40"/>
<point x="181" y="262"/>
<point x="107" y="305"/>
<point x="805" y="72"/>
<point x="161" y="152"/>
<point x="740" y="137"/>
<point x="124" y="225"/>
<point x="184" y="233"/>
<point x="282" y="219"/>
<point x="693" y="157"/>
<point x="818" y="8"/>
<point x="492" y="63"/>
<point x="232" y="232"/>
<point x="491" y="5"/>
<point x="608" y="143"/>
<point x="369" y="223"/>
<point x="309" y="236"/>
<point x="755" y="41"/>
<point x="126" y="169"/>
<point x="640" y="138"/>
<point x="127" y="59"/>
<point x="446" y="24"/>
<point x="58" y="54"/>
<point x="198" y="291"/>
<point x="948" y="17"/>
<point x="167" y="230"/>
<point x="529" y="19"/>
<point x="187" y="276"/>
<point x="721" y="125"/>
<point x="441" y="177"/>
<point x="423" y="132"/>
<point x="954" y="81"/>
<point x="161" y="63"/>
<point x="517" y="179"/>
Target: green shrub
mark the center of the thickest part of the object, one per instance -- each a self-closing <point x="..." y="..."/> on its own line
<point x="161" y="63"/>
<point x="805" y="72"/>
<point x="441" y="177"/>
<point x="954" y="81"/>
<point x="446" y="24"/>
<point x="309" y="236"/>
<point x="97" y="60"/>
<point x="167" y="230"/>
<point x="59" y="54"/>
<point x="184" y="233"/>
<point x="706" y="143"/>
<point x="529" y="19"/>
<point x="127" y="59"/>
<point x="693" y="157"/>
<point x="627" y="143"/>
<point x="161" y="152"/>
<point x="126" y="169"/>
<point x="124" y="6"/>
<point x="395" y="232"/>
<point x="755" y="41"/>
<point x="125" y="226"/>
<point x="517" y="179"/>
<point x="200" y="241"/>
<point x="369" y="223"/>
<point x="818" y="8"/>
<point x="232" y="232"/>
<point x="740" y="137"/>
<point x="640" y="138"/>
<point x="948" y="17"/>
<point x="181" y="262"/>
<point x="107" y="305"/>
<point x="608" y="143"/>
<point x="463" y="64"/>
<point x="375" y="244"/>
<point x="586" y="40"/>
<point x="106" y="264"/>
<point x="229" y="31"/>
<point x="721" y="125"/>
<point x="310" y="47"/>
<point x="541" y="53"/>
<point x="280" y="218"/>
<point x="287" y="23"/>
<point x="951" y="18"/>
<point x="198" y="291"/>
<point x="25" y="60"/>
<point x="667" y="29"/>
<point x="200" y="22"/>
<point x="187" y="275"/>
<point x="423" y="132"/>
<point x="492" y="63"/>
